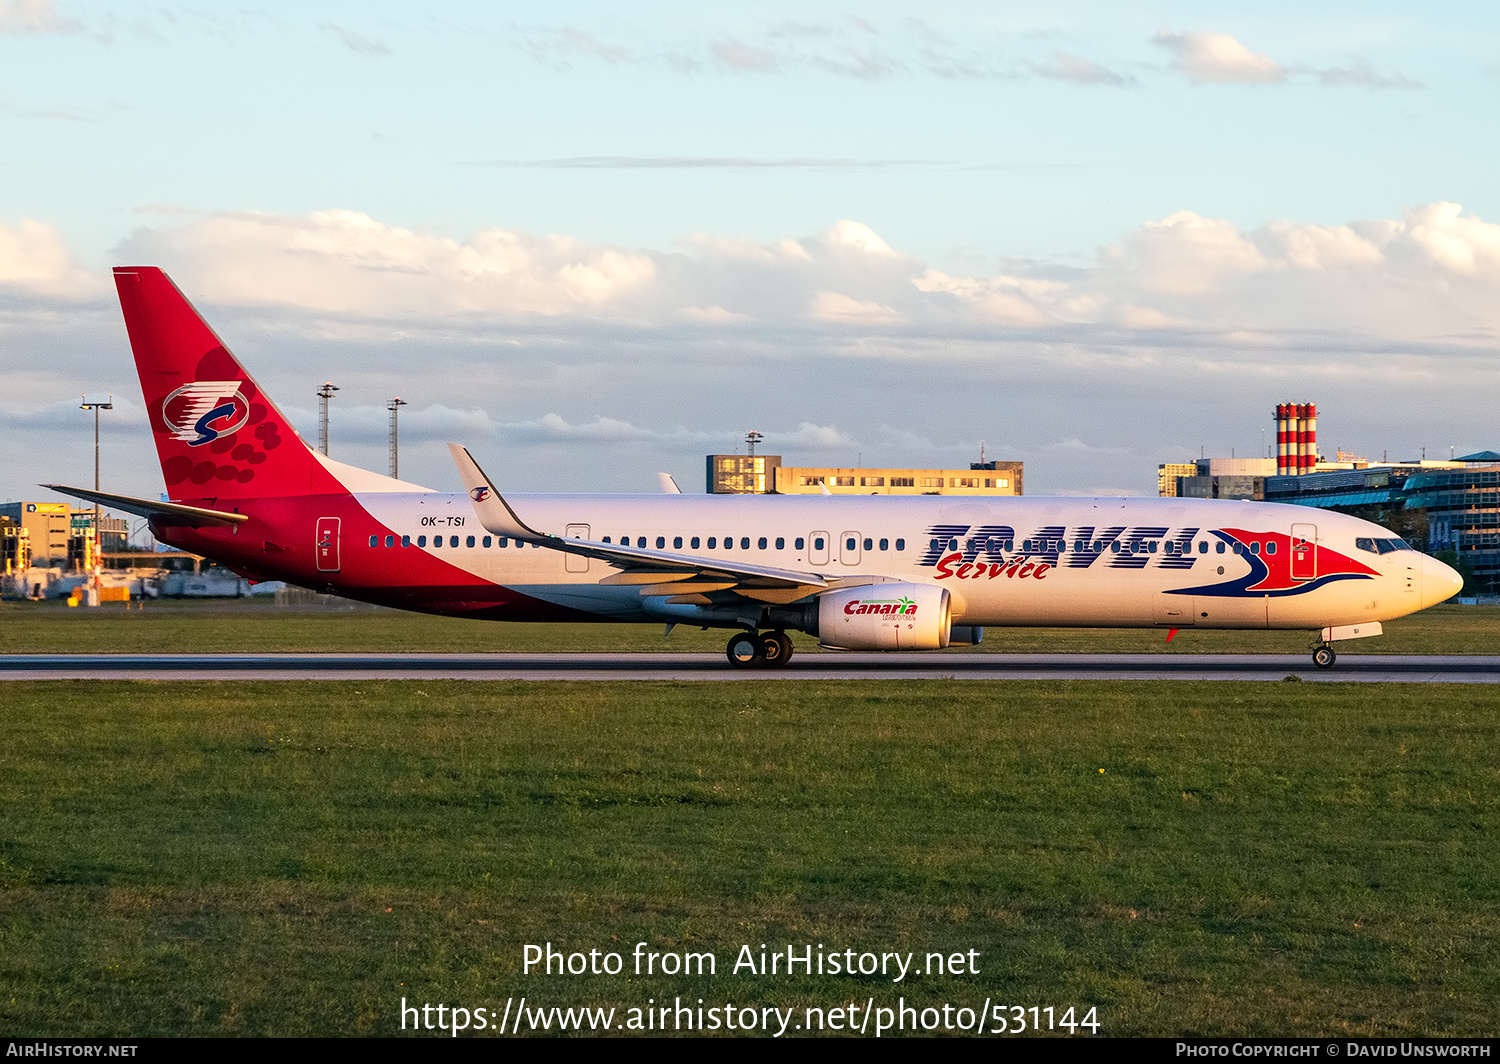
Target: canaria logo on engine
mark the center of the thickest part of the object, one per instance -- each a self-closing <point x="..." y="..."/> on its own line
<point x="201" y="412"/>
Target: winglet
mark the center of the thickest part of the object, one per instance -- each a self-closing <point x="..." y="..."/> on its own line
<point x="668" y="484"/>
<point x="494" y="512"/>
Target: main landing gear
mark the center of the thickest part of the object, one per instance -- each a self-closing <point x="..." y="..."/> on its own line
<point x="750" y="650"/>
<point x="1323" y="656"/>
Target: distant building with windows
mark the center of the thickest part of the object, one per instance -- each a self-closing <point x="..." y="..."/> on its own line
<point x="763" y="474"/>
<point x="981" y="478"/>
<point x="739" y="474"/>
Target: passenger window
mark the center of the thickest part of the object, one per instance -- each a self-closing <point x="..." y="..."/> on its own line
<point x="437" y="541"/>
<point x="374" y="541"/>
<point x="933" y="545"/>
<point x="781" y="543"/>
<point x="744" y="543"/>
<point x="798" y="542"/>
<point x="867" y="543"/>
<point x="953" y="544"/>
<point x="640" y="541"/>
<point x="885" y="544"/>
<point x="818" y="542"/>
<point x="606" y="539"/>
<point x="1219" y="547"/>
<point x="390" y="541"/>
<point x="1255" y="547"/>
<point x="469" y="542"/>
<point x="1203" y="546"/>
<point x="661" y="542"/>
<point x="676" y="542"/>
<point x="760" y="544"/>
<point x="453" y="541"/>
<point x="503" y="541"/>
<point x="695" y="543"/>
<point x="406" y="541"/>
<point x="1114" y="546"/>
<point x="1151" y="547"/>
<point x="1271" y="546"/>
<point x="900" y="544"/>
<point x="711" y="542"/>
<point x="849" y="543"/>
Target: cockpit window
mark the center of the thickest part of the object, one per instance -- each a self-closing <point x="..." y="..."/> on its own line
<point x="1382" y="546"/>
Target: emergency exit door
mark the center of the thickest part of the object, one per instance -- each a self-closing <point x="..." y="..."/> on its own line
<point x="326" y="540"/>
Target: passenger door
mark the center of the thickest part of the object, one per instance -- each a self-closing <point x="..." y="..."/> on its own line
<point x="1304" y="552"/>
<point x="326" y="544"/>
<point x="576" y="563"/>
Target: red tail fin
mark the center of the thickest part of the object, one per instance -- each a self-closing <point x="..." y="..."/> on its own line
<point x="216" y="434"/>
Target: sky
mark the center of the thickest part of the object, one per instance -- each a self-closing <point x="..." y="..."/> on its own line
<point x="592" y="241"/>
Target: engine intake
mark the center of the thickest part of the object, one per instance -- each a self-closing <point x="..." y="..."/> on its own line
<point x="885" y="617"/>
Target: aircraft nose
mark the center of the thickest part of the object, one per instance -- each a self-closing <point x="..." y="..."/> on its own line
<point x="1440" y="582"/>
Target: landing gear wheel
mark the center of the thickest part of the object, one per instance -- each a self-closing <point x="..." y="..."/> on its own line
<point x="1324" y="657"/>
<point x="745" y="650"/>
<point x="777" y="648"/>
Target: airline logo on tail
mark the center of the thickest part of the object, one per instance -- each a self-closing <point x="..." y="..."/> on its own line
<point x="201" y="412"/>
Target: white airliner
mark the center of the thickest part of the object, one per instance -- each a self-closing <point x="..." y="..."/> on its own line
<point x="856" y="572"/>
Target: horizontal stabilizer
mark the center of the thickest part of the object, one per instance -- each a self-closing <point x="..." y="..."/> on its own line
<point x="167" y="513"/>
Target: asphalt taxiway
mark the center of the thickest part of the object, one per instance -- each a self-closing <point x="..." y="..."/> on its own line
<point x="1351" y="668"/>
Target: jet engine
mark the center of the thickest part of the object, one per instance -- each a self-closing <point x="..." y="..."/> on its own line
<point x="885" y="617"/>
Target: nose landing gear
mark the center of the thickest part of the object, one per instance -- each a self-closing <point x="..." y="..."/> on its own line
<point x="1323" y="656"/>
<point x="750" y="650"/>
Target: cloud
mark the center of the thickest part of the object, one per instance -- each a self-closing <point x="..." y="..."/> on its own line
<point x="600" y="365"/>
<point x="357" y="43"/>
<point x="345" y="262"/>
<point x="1065" y="66"/>
<point x="29" y="18"/>
<point x="837" y="307"/>
<point x="1218" y="59"/>
<point x="741" y="58"/>
<point x="1359" y="73"/>
<point x="694" y="162"/>
<point x="35" y="260"/>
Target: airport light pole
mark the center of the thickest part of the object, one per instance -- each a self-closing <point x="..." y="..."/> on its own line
<point x="94" y="532"/>
<point x="325" y="393"/>
<point x="392" y="406"/>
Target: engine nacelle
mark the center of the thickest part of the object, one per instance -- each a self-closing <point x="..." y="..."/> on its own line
<point x="885" y="617"/>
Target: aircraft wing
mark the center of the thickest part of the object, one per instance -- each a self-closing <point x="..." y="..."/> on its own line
<point x="657" y="571"/>
<point x="168" y="513"/>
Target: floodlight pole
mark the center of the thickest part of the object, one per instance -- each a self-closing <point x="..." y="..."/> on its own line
<point x="96" y="407"/>
<point x="392" y="407"/>
<point x="325" y="393"/>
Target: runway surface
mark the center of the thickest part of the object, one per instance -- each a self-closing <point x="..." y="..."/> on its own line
<point x="1362" y="668"/>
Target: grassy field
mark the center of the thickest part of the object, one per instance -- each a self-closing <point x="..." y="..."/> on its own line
<point x="229" y="626"/>
<point x="1215" y="858"/>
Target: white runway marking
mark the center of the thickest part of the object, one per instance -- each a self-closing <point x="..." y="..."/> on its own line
<point x="1359" y="668"/>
